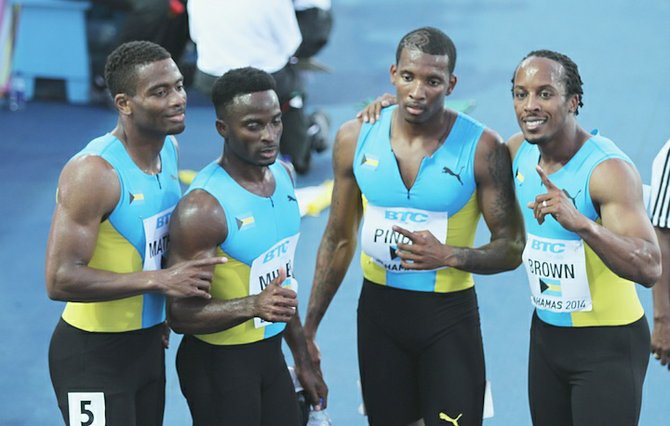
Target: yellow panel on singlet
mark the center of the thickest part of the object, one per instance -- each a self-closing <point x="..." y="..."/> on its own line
<point x="231" y="281"/>
<point x="115" y="254"/>
<point x="608" y="290"/>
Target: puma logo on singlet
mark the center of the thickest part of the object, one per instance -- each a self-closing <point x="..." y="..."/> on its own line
<point x="446" y="418"/>
<point x="448" y="171"/>
<point x="291" y="198"/>
<point x="571" y="197"/>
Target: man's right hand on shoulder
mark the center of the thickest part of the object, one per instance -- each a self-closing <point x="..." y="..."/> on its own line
<point x="371" y="112"/>
<point x="191" y="278"/>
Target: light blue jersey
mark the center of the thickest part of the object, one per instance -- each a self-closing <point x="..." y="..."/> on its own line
<point x="570" y="285"/>
<point x="262" y="237"/>
<point x="442" y="200"/>
<point x="133" y="238"/>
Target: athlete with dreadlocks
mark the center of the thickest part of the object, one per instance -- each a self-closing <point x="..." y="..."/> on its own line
<point x="419" y="177"/>
<point x="588" y="242"/>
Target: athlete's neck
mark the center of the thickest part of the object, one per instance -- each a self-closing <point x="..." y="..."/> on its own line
<point x="431" y="133"/>
<point x="144" y="149"/>
<point x="559" y="150"/>
<point x="254" y="178"/>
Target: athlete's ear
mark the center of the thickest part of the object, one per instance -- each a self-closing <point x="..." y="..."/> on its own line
<point x="452" y="83"/>
<point x="392" y="73"/>
<point x="122" y="103"/>
<point x="574" y="103"/>
<point x="222" y="127"/>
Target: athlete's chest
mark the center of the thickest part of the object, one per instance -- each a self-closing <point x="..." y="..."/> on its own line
<point x="573" y="183"/>
<point x="442" y="180"/>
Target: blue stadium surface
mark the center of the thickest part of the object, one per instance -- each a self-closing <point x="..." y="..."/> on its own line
<point x="621" y="48"/>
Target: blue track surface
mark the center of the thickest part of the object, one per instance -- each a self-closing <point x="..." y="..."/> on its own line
<point x="621" y="48"/>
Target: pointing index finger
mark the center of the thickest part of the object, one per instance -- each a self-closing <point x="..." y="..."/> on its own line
<point x="210" y="261"/>
<point x="545" y="179"/>
<point x="405" y="232"/>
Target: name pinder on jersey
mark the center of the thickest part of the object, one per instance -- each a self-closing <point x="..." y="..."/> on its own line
<point x="389" y="236"/>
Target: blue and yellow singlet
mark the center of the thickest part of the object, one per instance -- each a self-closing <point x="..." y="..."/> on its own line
<point x="442" y="199"/>
<point x="132" y="239"/>
<point x="570" y="285"/>
<point x="262" y="237"/>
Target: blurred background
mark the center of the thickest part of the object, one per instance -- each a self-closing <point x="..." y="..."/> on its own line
<point x="621" y="48"/>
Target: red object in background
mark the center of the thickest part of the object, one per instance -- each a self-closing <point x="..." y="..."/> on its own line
<point x="177" y="7"/>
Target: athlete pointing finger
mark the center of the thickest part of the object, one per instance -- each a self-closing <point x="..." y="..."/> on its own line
<point x="425" y="251"/>
<point x="589" y="241"/>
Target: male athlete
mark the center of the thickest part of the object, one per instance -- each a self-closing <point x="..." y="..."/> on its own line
<point x="419" y="177"/>
<point x="589" y="241"/>
<point x="242" y="206"/>
<point x="107" y="242"/>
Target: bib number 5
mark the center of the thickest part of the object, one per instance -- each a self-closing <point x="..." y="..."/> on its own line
<point x="86" y="408"/>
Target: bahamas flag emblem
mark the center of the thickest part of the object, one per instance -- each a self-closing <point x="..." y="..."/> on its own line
<point x="369" y="161"/>
<point x="135" y="197"/>
<point x="550" y="287"/>
<point x="245" y="222"/>
<point x="519" y="176"/>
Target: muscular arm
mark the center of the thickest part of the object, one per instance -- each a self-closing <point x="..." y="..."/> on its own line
<point x="88" y="191"/>
<point x="197" y="227"/>
<point x="625" y="241"/>
<point x="338" y="243"/>
<point x="497" y="201"/>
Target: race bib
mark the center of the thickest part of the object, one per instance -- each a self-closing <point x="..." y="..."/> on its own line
<point x="265" y="268"/>
<point x="557" y="274"/>
<point x="380" y="242"/>
<point x="86" y="408"/>
<point x="157" y="239"/>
